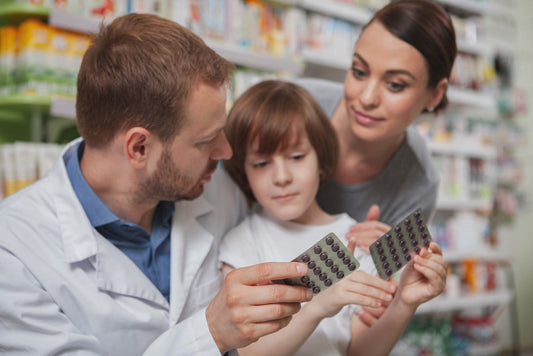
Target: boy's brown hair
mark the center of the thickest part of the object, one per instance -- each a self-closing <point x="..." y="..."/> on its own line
<point x="275" y="114"/>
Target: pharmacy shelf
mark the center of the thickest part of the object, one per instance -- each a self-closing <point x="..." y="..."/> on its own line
<point x="27" y="104"/>
<point x="15" y="12"/>
<point x="37" y="110"/>
<point x="462" y="205"/>
<point x="54" y="106"/>
<point x="72" y="22"/>
<point x="351" y="13"/>
<point x="283" y="2"/>
<point x="483" y="255"/>
<point x="261" y="61"/>
<point x="502" y="9"/>
<point x="479" y="48"/>
<point x="471" y="6"/>
<point x="492" y="348"/>
<point x="480" y="300"/>
<point x="325" y="59"/>
<point x="63" y="107"/>
<point x="233" y="53"/>
<point x="464" y="149"/>
<point x="471" y="98"/>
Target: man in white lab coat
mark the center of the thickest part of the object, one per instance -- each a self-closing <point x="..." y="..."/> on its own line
<point x="115" y="251"/>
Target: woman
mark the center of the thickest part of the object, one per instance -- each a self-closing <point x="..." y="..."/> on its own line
<point x="400" y="69"/>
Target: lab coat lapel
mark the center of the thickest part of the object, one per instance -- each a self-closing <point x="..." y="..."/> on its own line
<point x="190" y="244"/>
<point x="115" y="272"/>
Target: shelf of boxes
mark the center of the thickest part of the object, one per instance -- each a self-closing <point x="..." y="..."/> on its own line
<point x="74" y="22"/>
<point x="464" y="149"/>
<point x="485" y="254"/>
<point x="325" y="59"/>
<point x="479" y="300"/>
<point x="462" y="153"/>
<point x="471" y="6"/>
<point x="14" y="12"/>
<point x="354" y="14"/>
<point x="476" y="48"/>
<point x="241" y="56"/>
<point x="40" y="99"/>
<point x="472" y="98"/>
<point x="55" y="106"/>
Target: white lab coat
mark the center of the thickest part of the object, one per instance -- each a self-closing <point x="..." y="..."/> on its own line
<point x="65" y="289"/>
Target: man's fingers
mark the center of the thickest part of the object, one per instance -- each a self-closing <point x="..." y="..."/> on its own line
<point x="255" y="314"/>
<point x="270" y="294"/>
<point x="265" y="272"/>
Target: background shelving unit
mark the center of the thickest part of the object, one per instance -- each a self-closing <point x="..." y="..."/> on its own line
<point x="43" y="113"/>
<point x="481" y="300"/>
<point x="11" y="12"/>
<point x="265" y="62"/>
<point x="357" y="15"/>
<point x="308" y="61"/>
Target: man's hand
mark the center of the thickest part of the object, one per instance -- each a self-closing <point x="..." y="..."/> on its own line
<point x="249" y="306"/>
<point x="363" y="234"/>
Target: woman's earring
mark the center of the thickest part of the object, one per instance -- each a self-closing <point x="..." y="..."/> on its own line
<point x="430" y="109"/>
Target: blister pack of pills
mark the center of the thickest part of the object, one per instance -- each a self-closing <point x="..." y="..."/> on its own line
<point x="394" y="249"/>
<point x="328" y="261"/>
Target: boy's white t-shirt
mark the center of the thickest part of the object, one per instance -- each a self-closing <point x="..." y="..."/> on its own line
<point x="261" y="237"/>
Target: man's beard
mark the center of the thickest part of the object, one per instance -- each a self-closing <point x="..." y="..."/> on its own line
<point x="168" y="183"/>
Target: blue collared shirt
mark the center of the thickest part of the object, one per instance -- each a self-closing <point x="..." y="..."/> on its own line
<point x="151" y="253"/>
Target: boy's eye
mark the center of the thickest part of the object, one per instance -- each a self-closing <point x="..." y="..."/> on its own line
<point x="297" y="156"/>
<point x="259" y="164"/>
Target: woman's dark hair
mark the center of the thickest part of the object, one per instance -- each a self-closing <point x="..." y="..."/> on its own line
<point x="427" y="27"/>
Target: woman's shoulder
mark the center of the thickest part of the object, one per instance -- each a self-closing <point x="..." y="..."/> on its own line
<point x="419" y="155"/>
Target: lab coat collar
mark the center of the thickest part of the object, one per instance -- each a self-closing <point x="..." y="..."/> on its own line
<point x="190" y="244"/>
<point x="79" y="240"/>
<point x="115" y="272"/>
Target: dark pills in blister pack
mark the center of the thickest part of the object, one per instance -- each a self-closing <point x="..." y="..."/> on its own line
<point x="393" y="250"/>
<point x="328" y="261"/>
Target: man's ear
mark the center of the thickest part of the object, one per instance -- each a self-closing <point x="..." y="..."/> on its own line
<point x="138" y="145"/>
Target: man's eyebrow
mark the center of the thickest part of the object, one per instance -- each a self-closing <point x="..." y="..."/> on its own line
<point x="213" y="133"/>
<point x="392" y="71"/>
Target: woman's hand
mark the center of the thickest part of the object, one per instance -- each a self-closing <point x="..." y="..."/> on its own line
<point x="363" y="234"/>
<point x="424" y="278"/>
